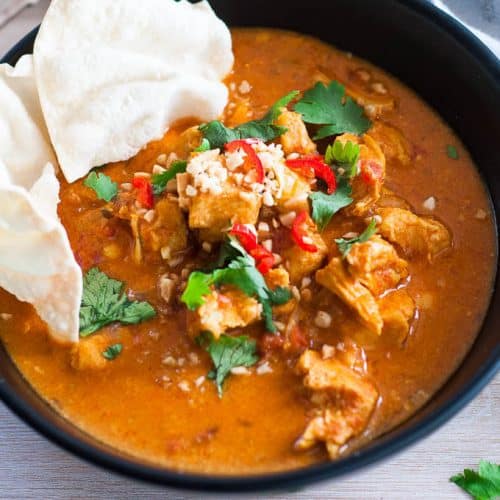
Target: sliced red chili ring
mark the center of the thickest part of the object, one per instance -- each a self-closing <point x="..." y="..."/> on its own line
<point x="264" y="259"/>
<point x="314" y="166"/>
<point x="252" y="156"/>
<point x="299" y="233"/>
<point x="247" y="237"/>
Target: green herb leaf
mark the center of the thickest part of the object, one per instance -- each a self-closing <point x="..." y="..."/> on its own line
<point x="240" y="273"/>
<point x="160" y="181"/>
<point x="325" y="206"/>
<point x="330" y="107"/>
<point x="204" y="146"/>
<point x="217" y="134"/>
<point x="452" y="152"/>
<point x="103" y="303"/>
<point x="198" y="286"/>
<point x="103" y="186"/>
<point x="346" y="245"/>
<point x="228" y="353"/>
<point x="113" y="351"/>
<point x="345" y="156"/>
<point x="482" y="485"/>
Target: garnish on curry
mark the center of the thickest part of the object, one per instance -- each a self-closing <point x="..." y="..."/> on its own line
<point x="275" y="288"/>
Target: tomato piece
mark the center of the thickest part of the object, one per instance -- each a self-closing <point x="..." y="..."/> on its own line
<point x="371" y="171"/>
<point x="252" y="157"/>
<point x="145" y="194"/>
<point x="299" y="233"/>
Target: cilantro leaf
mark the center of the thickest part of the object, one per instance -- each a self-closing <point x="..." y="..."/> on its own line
<point x="103" y="186"/>
<point x="113" y="351"/>
<point x="198" y="286"/>
<point x="103" y="303"/>
<point x="325" y="206"/>
<point x="217" y="134"/>
<point x="452" y="152"/>
<point x="241" y="273"/>
<point x="330" y="107"/>
<point x="345" y="156"/>
<point x="160" y="181"/>
<point x="204" y="146"/>
<point x="228" y="353"/>
<point x="346" y="245"/>
<point x="482" y="485"/>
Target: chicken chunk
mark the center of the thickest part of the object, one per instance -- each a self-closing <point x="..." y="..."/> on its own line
<point x="296" y="139"/>
<point x="376" y="265"/>
<point x="367" y="186"/>
<point x="301" y="263"/>
<point x="168" y="230"/>
<point x="87" y="354"/>
<point x="295" y="192"/>
<point x="337" y="279"/>
<point x="215" y="213"/>
<point x="415" y="235"/>
<point x="223" y="311"/>
<point x="397" y="310"/>
<point x="344" y="402"/>
<point x="393" y="143"/>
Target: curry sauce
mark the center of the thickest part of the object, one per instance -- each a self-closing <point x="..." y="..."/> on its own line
<point x="155" y="402"/>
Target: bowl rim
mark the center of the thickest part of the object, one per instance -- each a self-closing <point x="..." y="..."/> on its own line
<point x="296" y="478"/>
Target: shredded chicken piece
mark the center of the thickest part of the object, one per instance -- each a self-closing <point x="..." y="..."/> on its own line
<point x="337" y="279"/>
<point x="376" y="265"/>
<point x="397" y="310"/>
<point x="301" y="263"/>
<point x="223" y="311"/>
<point x="366" y="187"/>
<point x="393" y="143"/>
<point x="87" y="354"/>
<point x="296" y="139"/>
<point x="344" y="402"/>
<point x="415" y="235"/>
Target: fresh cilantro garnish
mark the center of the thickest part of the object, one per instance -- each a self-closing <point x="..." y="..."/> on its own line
<point x="198" y="287"/>
<point x="330" y="107"/>
<point x="325" y="206"/>
<point x="160" y="181"/>
<point x="204" y="146"/>
<point x="217" y="134"/>
<point x="103" y="303"/>
<point x="241" y="273"/>
<point x="345" y="156"/>
<point x="103" y="186"/>
<point x="113" y="351"/>
<point x="346" y="245"/>
<point x="228" y="353"/>
<point x="452" y="152"/>
<point x="482" y="485"/>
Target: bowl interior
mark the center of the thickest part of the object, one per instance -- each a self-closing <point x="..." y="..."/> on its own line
<point x="454" y="73"/>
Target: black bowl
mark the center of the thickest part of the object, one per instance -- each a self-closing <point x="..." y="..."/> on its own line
<point x="453" y="72"/>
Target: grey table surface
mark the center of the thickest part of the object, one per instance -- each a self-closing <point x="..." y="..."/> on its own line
<point x="31" y="467"/>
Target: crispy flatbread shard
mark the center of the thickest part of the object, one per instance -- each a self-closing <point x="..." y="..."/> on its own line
<point x="21" y="124"/>
<point x="113" y="76"/>
<point x="36" y="261"/>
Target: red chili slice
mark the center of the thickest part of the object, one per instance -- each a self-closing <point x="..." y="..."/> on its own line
<point x="252" y="157"/>
<point x="264" y="259"/>
<point x="299" y="233"/>
<point x="144" y="192"/>
<point x="315" y="167"/>
<point x="371" y="171"/>
<point x="247" y="237"/>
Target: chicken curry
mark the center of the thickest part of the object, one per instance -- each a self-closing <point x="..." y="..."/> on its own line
<point x="275" y="288"/>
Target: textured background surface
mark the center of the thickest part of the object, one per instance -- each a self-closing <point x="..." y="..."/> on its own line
<point x="30" y="467"/>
